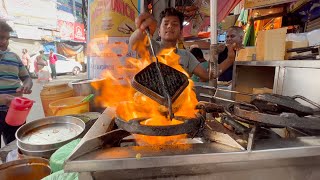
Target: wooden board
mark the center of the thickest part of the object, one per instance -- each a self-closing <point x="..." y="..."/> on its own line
<point x="271" y="44"/>
<point x="246" y="54"/>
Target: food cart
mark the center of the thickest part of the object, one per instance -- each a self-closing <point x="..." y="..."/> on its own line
<point x="213" y="155"/>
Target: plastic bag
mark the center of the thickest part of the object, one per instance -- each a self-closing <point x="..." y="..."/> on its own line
<point x="12" y="155"/>
<point x="299" y="37"/>
<point x="44" y="74"/>
<point x="314" y="37"/>
<point x="57" y="158"/>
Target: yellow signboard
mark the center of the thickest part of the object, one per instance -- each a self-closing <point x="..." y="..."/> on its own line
<point x="111" y="23"/>
<point x="112" y="17"/>
<point x="263" y="3"/>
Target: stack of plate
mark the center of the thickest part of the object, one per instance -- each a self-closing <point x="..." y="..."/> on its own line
<point x="43" y="137"/>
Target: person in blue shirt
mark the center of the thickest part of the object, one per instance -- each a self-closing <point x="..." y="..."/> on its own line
<point x="197" y="52"/>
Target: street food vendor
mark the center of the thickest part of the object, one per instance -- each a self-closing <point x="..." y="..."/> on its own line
<point x="170" y="30"/>
<point x="227" y="53"/>
<point x="14" y="81"/>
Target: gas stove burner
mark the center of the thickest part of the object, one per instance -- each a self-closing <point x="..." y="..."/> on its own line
<point x="134" y="126"/>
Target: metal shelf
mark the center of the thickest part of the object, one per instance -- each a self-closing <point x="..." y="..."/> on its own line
<point x="283" y="63"/>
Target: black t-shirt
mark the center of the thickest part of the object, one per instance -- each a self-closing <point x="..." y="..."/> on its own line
<point x="226" y="75"/>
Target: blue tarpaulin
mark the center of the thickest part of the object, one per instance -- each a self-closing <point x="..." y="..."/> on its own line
<point x="48" y="46"/>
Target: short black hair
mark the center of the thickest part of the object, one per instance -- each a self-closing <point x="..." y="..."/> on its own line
<point x="172" y="12"/>
<point x="5" y="27"/>
<point x="197" y="52"/>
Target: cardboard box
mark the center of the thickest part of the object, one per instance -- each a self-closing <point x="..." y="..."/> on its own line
<point x="271" y="45"/>
<point x="246" y="53"/>
<point x="261" y="90"/>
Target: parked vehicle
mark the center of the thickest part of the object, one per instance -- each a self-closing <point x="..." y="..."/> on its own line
<point x="63" y="64"/>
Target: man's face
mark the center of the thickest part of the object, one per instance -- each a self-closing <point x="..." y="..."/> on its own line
<point x="51" y="51"/>
<point x="170" y="28"/>
<point x="4" y="40"/>
<point x="233" y="37"/>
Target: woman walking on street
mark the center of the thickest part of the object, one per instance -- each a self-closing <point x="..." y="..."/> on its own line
<point x="26" y="59"/>
<point x="52" y="61"/>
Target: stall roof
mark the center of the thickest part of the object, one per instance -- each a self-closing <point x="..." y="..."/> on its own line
<point x="224" y="9"/>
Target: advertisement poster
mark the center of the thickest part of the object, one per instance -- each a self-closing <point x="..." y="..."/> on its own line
<point x="79" y="34"/>
<point x="66" y="30"/>
<point x="112" y="20"/>
<point x="112" y="17"/>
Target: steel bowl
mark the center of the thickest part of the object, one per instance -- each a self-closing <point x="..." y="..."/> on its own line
<point x="48" y="134"/>
<point x="43" y="153"/>
<point x="31" y="168"/>
<point x="84" y="87"/>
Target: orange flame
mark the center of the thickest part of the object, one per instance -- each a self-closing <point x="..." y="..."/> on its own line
<point x="131" y="104"/>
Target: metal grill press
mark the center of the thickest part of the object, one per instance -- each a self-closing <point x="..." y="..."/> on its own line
<point x="147" y="81"/>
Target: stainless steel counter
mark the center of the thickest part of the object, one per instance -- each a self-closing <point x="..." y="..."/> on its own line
<point x="280" y="159"/>
<point x="283" y="77"/>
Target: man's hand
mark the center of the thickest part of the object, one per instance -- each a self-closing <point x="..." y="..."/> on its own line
<point x="26" y="87"/>
<point x="144" y="21"/>
<point x="232" y="48"/>
<point x="231" y="51"/>
<point x="6" y="99"/>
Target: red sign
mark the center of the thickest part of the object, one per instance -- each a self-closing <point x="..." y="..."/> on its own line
<point x="79" y="34"/>
<point x="66" y="30"/>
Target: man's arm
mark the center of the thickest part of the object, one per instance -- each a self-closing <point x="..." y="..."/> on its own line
<point x="196" y="69"/>
<point x="144" y="21"/>
<point x="25" y="78"/>
<point x="201" y="73"/>
<point x="26" y="85"/>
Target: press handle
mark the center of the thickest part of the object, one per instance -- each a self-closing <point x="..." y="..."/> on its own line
<point x="306" y="100"/>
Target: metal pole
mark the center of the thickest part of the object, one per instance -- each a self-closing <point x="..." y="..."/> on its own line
<point x="142" y="8"/>
<point x="213" y="65"/>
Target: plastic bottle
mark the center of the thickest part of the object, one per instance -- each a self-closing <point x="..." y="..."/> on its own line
<point x="18" y="111"/>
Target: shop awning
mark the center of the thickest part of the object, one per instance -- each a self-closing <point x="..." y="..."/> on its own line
<point x="224" y="9"/>
<point x="27" y="32"/>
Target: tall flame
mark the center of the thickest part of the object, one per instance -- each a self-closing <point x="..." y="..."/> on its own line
<point x="131" y="104"/>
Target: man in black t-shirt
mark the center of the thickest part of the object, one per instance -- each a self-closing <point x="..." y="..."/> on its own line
<point x="227" y="53"/>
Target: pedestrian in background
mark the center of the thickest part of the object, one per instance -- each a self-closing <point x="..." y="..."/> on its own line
<point x="40" y="62"/>
<point x="52" y="61"/>
<point x="26" y="60"/>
